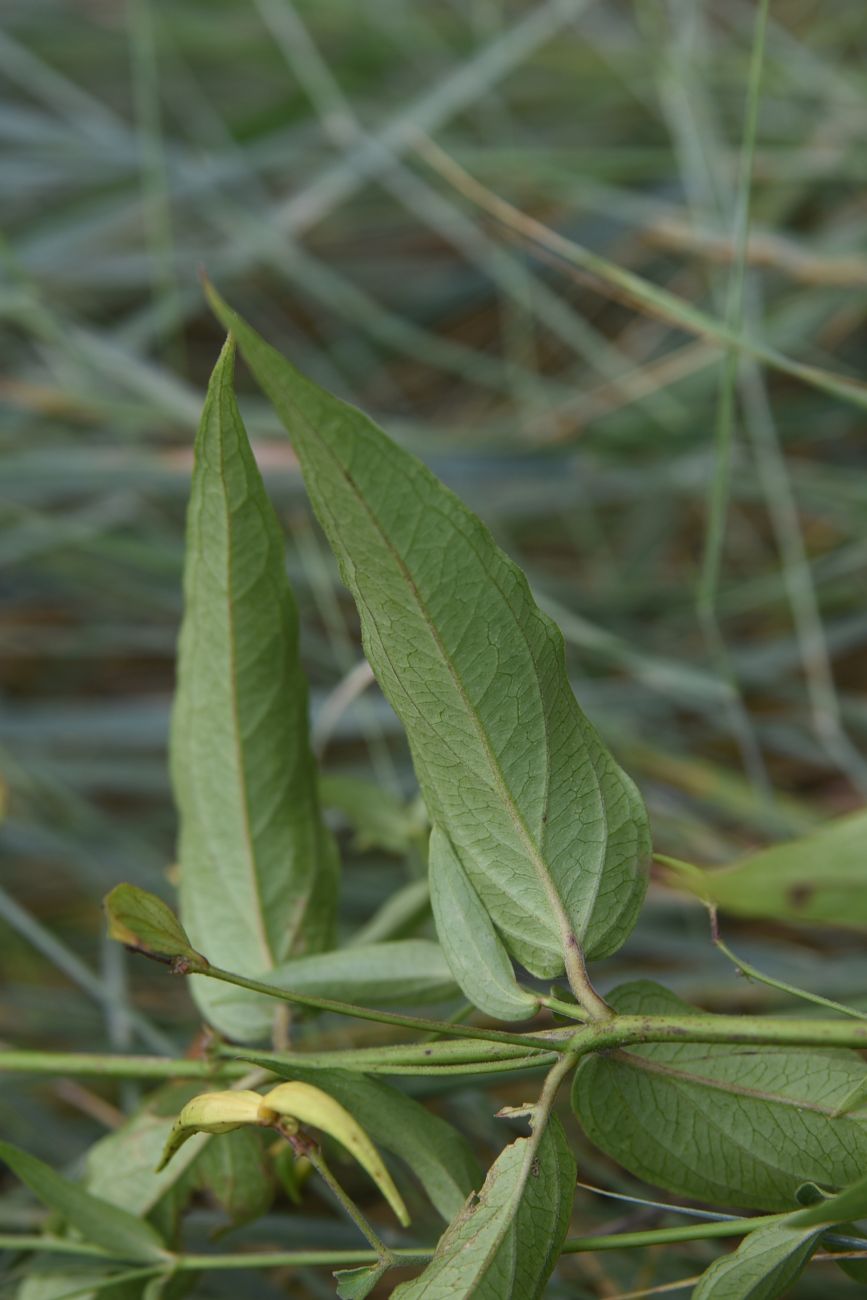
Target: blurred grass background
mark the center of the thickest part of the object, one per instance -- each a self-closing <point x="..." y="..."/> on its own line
<point x="275" y="144"/>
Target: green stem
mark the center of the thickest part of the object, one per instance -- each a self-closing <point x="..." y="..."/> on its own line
<point x="752" y="973"/>
<point x="317" y="1160"/>
<point x="363" y="1013"/>
<point x="93" y="1064"/>
<point x="704" y="1028"/>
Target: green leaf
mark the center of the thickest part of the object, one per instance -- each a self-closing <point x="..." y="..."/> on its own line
<point x="770" y="1259"/>
<point x="818" y="879"/>
<point x="767" y="1262"/>
<point x="236" y="1172"/>
<point x="729" y="1124"/>
<point x="550" y="832"/>
<point x="403" y="971"/>
<point x="504" y="1243"/>
<point x="379" y="819"/>
<point x="144" y="922"/>
<point x="50" y="1278"/>
<point x="258" y="869"/>
<point x="120" y="1166"/>
<point x="97" y="1220"/>
<point x="436" y="1153"/>
<point x="357" y="1283"/>
<point x="469" y="941"/>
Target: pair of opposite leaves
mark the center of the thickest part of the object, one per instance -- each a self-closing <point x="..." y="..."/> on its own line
<point x="540" y="842"/>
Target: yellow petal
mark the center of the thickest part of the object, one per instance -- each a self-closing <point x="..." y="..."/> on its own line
<point x="211" y="1112"/>
<point x="313" y="1106"/>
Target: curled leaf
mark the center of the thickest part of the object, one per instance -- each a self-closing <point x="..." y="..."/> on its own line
<point x="144" y="922"/>
<point x="301" y="1101"/>
<point x="211" y="1112"/>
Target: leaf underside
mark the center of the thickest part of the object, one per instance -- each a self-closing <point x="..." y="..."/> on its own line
<point x="733" y="1125"/>
<point x="504" y="1243"/>
<point x="258" y="869"/>
<point x="550" y="833"/>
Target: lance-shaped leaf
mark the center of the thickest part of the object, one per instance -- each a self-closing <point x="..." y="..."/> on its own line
<point x="550" y="832"/>
<point x="505" y="1242"/>
<point x="731" y="1124"/>
<point x="818" y="879"/>
<point x="98" y="1221"/>
<point x="310" y="1105"/>
<point x="770" y="1259"/>
<point x="258" y="871"/>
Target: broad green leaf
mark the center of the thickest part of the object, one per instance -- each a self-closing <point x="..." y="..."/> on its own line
<point x="550" y="832"/>
<point x="770" y="1259"/>
<point x="505" y="1242"/>
<point x="435" y="1152"/>
<point x="734" y="1125"/>
<point x="820" y="879"/>
<point x="235" y="1171"/>
<point x="97" y="1220"/>
<point x="767" y="1262"/>
<point x="258" y="869"/>
<point x="469" y="941"/>
<point x="144" y="922"/>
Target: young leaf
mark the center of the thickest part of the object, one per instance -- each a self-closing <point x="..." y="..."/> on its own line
<point x="435" y="1152"/>
<point x="504" y="1243"/>
<point x="735" y="1125"/>
<point x="817" y="880"/>
<point x="98" y="1221"/>
<point x="144" y="922"/>
<point x="764" y="1266"/>
<point x="550" y="832"/>
<point x="258" y="869"/>
<point x="357" y="1283"/>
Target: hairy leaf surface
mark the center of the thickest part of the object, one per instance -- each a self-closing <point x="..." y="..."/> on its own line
<point x="258" y="869"/>
<point x="735" y="1125"/>
<point x="505" y="1242"/>
<point x="550" y="832"/>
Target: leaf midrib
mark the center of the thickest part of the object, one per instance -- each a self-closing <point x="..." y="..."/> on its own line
<point x="634" y="1061"/>
<point x="247" y="835"/>
<point x="535" y="857"/>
